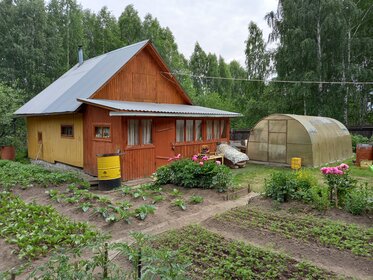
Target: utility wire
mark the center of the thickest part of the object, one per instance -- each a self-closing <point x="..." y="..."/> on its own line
<point x="270" y="81"/>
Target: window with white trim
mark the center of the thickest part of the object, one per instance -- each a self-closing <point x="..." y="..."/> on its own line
<point x="209" y="134"/>
<point x="146" y="131"/>
<point x="133" y="132"/>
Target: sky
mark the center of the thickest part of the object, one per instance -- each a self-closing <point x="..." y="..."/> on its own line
<point x="220" y="26"/>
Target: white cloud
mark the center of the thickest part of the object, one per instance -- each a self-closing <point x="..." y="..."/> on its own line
<point x="219" y="26"/>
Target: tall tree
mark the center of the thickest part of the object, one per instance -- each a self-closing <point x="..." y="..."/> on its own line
<point x="130" y="26"/>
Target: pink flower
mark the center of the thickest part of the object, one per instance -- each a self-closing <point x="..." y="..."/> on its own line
<point x="195" y="158"/>
<point x="178" y="156"/>
<point x="205" y="158"/>
<point x="343" y="166"/>
<point x="218" y="162"/>
<point x="324" y="169"/>
<point x="201" y="163"/>
<point x="170" y="159"/>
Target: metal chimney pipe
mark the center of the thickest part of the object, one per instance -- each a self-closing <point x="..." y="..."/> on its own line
<point x="80" y="55"/>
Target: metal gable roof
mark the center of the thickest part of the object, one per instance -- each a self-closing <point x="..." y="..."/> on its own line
<point x="129" y="108"/>
<point x="79" y="82"/>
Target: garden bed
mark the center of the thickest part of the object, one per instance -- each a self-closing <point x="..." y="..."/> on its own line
<point x="214" y="257"/>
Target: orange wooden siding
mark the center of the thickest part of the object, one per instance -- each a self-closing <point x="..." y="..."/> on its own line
<point x="141" y="80"/>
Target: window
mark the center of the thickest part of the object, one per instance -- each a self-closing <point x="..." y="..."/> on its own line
<point x="40" y="137"/>
<point x="209" y="130"/>
<point x="133" y="132"/>
<point x="67" y="131"/>
<point x="223" y="129"/>
<point x="179" y="130"/>
<point x="216" y="129"/>
<point x="189" y="130"/>
<point x="146" y="131"/>
<point x="198" y="130"/>
<point x="102" y="132"/>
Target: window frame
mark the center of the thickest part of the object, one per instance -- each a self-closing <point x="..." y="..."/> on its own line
<point x="72" y="136"/>
<point x="140" y="133"/>
<point x="102" y="125"/>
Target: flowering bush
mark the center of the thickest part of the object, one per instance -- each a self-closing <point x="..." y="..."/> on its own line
<point x="195" y="173"/>
<point x="338" y="180"/>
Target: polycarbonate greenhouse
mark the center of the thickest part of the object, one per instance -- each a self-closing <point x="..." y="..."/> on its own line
<point x="316" y="140"/>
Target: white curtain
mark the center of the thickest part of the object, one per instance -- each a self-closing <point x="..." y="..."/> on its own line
<point x="179" y="130"/>
<point x="133" y="132"/>
<point x="223" y="129"/>
<point x="216" y="129"/>
<point x="146" y="131"/>
<point x="189" y="130"/>
<point x="209" y="130"/>
<point x="198" y="128"/>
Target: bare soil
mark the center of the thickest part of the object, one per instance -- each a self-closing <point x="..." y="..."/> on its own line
<point x="165" y="217"/>
<point x="340" y="262"/>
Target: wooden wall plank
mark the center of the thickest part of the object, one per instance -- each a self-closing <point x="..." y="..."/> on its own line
<point x="56" y="148"/>
<point x="141" y="80"/>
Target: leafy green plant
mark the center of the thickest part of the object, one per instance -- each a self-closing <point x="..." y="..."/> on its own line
<point x="325" y="232"/>
<point x="281" y="186"/>
<point x="190" y="174"/>
<point x="36" y="229"/>
<point x="27" y="175"/>
<point x="85" y="206"/>
<point x="157" y="198"/>
<point x="359" y="200"/>
<point x="196" y="199"/>
<point x="320" y="197"/>
<point x="140" y="193"/>
<point x="176" y="192"/>
<point x="214" y="257"/>
<point x="179" y="203"/>
<point x="144" y="210"/>
<point x="126" y="190"/>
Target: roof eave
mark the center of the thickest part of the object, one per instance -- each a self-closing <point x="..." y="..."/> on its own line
<point x="161" y="114"/>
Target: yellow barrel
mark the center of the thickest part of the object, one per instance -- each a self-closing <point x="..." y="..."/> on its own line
<point x="296" y="163"/>
<point x="108" y="169"/>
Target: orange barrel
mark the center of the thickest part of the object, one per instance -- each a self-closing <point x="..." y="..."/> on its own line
<point x="8" y="152"/>
<point x="363" y="152"/>
<point x="108" y="170"/>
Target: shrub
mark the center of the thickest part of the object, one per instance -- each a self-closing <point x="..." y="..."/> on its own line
<point x="320" y="197"/>
<point x="359" y="139"/>
<point x="359" y="200"/>
<point x="281" y="186"/>
<point x="190" y="174"/>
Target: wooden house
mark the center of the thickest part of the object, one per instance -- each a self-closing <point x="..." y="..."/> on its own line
<point x="125" y="100"/>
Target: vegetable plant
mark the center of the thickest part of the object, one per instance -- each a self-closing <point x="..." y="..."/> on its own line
<point x="179" y="203"/>
<point x="144" y="210"/>
<point x="196" y="199"/>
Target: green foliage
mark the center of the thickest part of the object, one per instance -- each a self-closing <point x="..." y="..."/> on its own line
<point x="359" y="200"/>
<point x="213" y="257"/>
<point x="26" y="175"/>
<point x="281" y="186"/>
<point x="144" y="210"/>
<point x="326" y="232"/>
<point x="189" y="174"/>
<point x="178" y="202"/>
<point x="158" y="198"/>
<point x="320" y="197"/>
<point x="36" y="229"/>
<point x="196" y="199"/>
<point x="359" y="139"/>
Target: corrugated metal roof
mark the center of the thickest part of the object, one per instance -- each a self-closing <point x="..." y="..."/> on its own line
<point x="156" y="109"/>
<point x="79" y="82"/>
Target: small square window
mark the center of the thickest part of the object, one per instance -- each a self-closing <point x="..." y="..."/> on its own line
<point x="102" y="132"/>
<point x="67" y="131"/>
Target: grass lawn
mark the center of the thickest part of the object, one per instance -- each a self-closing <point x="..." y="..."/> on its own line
<point x="254" y="174"/>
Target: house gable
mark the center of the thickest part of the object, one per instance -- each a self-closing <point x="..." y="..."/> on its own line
<point x="143" y="79"/>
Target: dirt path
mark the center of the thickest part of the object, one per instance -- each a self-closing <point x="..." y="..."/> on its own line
<point x="195" y="218"/>
<point x="340" y="262"/>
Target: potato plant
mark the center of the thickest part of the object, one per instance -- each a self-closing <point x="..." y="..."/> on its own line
<point x="325" y="232"/>
<point x="36" y="229"/>
<point x="214" y="257"/>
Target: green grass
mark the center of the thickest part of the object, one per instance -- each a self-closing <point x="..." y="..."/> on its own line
<point x="214" y="257"/>
<point x="325" y="232"/>
<point x="254" y="174"/>
<point x="27" y="175"/>
<point x="36" y="229"/>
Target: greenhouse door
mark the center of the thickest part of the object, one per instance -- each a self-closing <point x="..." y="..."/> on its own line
<point x="277" y="138"/>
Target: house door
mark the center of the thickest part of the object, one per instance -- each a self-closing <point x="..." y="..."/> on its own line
<point x="164" y="139"/>
<point x="277" y="140"/>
